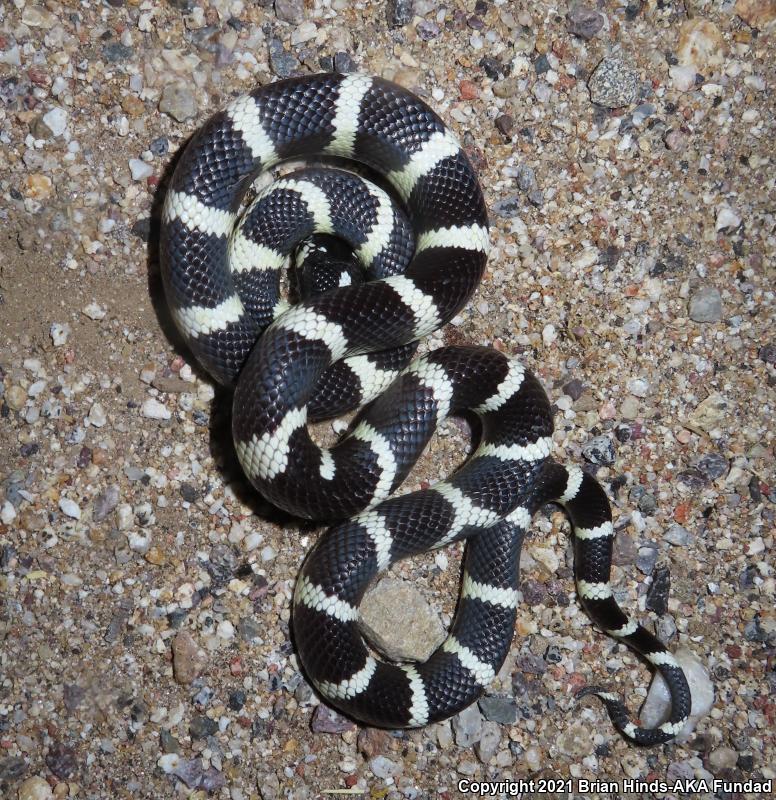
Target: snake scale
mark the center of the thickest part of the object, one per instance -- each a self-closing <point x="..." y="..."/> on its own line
<point x="381" y="264"/>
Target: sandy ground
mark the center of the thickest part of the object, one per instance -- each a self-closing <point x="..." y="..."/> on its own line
<point x="632" y="270"/>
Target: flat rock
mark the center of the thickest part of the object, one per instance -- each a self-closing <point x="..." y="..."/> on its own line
<point x="613" y="84"/>
<point x="383" y="611"/>
<point x="189" y="660"/>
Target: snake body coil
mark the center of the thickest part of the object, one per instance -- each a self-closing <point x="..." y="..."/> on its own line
<point x="344" y="345"/>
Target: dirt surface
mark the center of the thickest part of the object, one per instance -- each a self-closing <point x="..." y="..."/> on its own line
<point x="626" y="153"/>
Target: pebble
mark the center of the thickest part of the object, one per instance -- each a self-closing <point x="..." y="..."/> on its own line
<point x="613" y="84"/>
<point x="678" y="536"/>
<point x="201" y="727"/>
<point x="189" y="660"/>
<point x="391" y="601"/>
<point x="97" y="416"/>
<point x="489" y="742"/>
<point x="599" y="450"/>
<point x="657" y="706"/>
<point x="722" y="758"/>
<point x="290" y="10"/>
<point x="7" y="513"/>
<point x="383" y="767"/>
<point x="728" y="219"/>
<point x="399" y="13"/>
<point x="178" y="102"/>
<point x="646" y="558"/>
<point x="682" y="77"/>
<point x="700" y="44"/>
<point x="69" y="508"/>
<point x="507" y="208"/>
<point x="584" y="21"/>
<point x="35" y="788"/>
<point x="139" y="169"/>
<point x="706" y="305"/>
<point x="59" y="333"/>
<point x="283" y="64"/>
<point x="713" y="466"/>
<point x="758" y="14"/>
<point x="467" y="726"/>
<point x="153" y="409"/>
<point x="499" y="709"/>
<point x="95" y="311"/>
<point x="327" y="720"/>
<point x="56" y="121"/>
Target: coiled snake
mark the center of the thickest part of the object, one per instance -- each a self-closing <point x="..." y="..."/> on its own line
<point x="350" y="340"/>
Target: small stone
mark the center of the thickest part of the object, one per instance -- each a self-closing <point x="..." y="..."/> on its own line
<point x="105" y="503"/>
<point x="327" y="720"/>
<point x="95" y="311"/>
<point x="712" y="466"/>
<point x="35" y="788"/>
<point x="584" y="21"/>
<point x="61" y="760"/>
<point x="502" y="710"/>
<point x="678" y="536"/>
<point x="15" y="397"/>
<point x="178" y="102"/>
<point x="682" y="77"/>
<point x="372" y="742"/>
<point x="56" y="121"/>
<point x="489" y="742"/>
<point x="59" y="333"/>
<point x="613" y="84"/>
<point x="290" y="11"/>
<point x="225" y="630"/>
<point x="399" y="13"/>
<point x="153" y="409"/>
<point x="508" y="207"/>
<point x="526" y="178"/>
<point x="390" y="601"/>
<point x="201" y="727"/>
<point x="599" y="450"/>
<point x="646" y="558"/>
<point x="383" y="767"/>
<point x="97" y="416"/>
<point x="728" y="219"/>
<point x="116" y="52"/>
<point x="722" y="758"/>
<point x="700" y="44"/>
<point x="69" y="508"/>
<point x="139" y="169"/>
<point x="505" y="124"/>
<point x="706" y="305"/>
<point x="189" y="660"/>
<point x="676" y="140"/>
<point x="11" y="769"/>
<point x="467" y="726"/>
<point x="283" y="64"/>
<point x="7" y="513"/>
<point x="760" y="14"/>
<point x="657" y="706"/>
<point x="657" y="594"/>
<point x="710" y="412"/>
<point x="576" y="741"/>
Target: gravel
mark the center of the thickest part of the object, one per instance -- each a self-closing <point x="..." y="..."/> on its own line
<point x="624" y="155"/>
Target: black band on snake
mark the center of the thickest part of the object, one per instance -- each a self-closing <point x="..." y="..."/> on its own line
<point x="376" y="275"/>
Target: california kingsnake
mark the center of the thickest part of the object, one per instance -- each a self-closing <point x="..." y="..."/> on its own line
<point x="343" y="345"/>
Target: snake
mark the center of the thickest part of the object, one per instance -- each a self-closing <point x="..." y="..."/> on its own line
<point x="385" y="227"/>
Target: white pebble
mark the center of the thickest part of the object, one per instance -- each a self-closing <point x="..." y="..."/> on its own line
<point x="59" y="332"/>
<point x="268" y="553"/>
<point x="69" y="508"/>
<point x="727" y="218"/>
<point x="56" y="120"/>
<point x="549" y="335"/>
<point x="97" y="416"/>
<point x="225" y="629"/>
<point x="169" y="762"/>
<point x="124" y="516"/>
<point x="95" y="311"/>
<point x="138" y="542"/>
<point x="682" y="78"/>
<point x="36" y="388"/>
<point x="153" y="409"/>
<point x="139" y="169"/>
<point x="638" y="387"/>
<point x="7" y="513"/>
<point x="252" y="541"/>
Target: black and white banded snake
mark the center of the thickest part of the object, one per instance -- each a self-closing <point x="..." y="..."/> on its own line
<point x="349" y="342"/>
